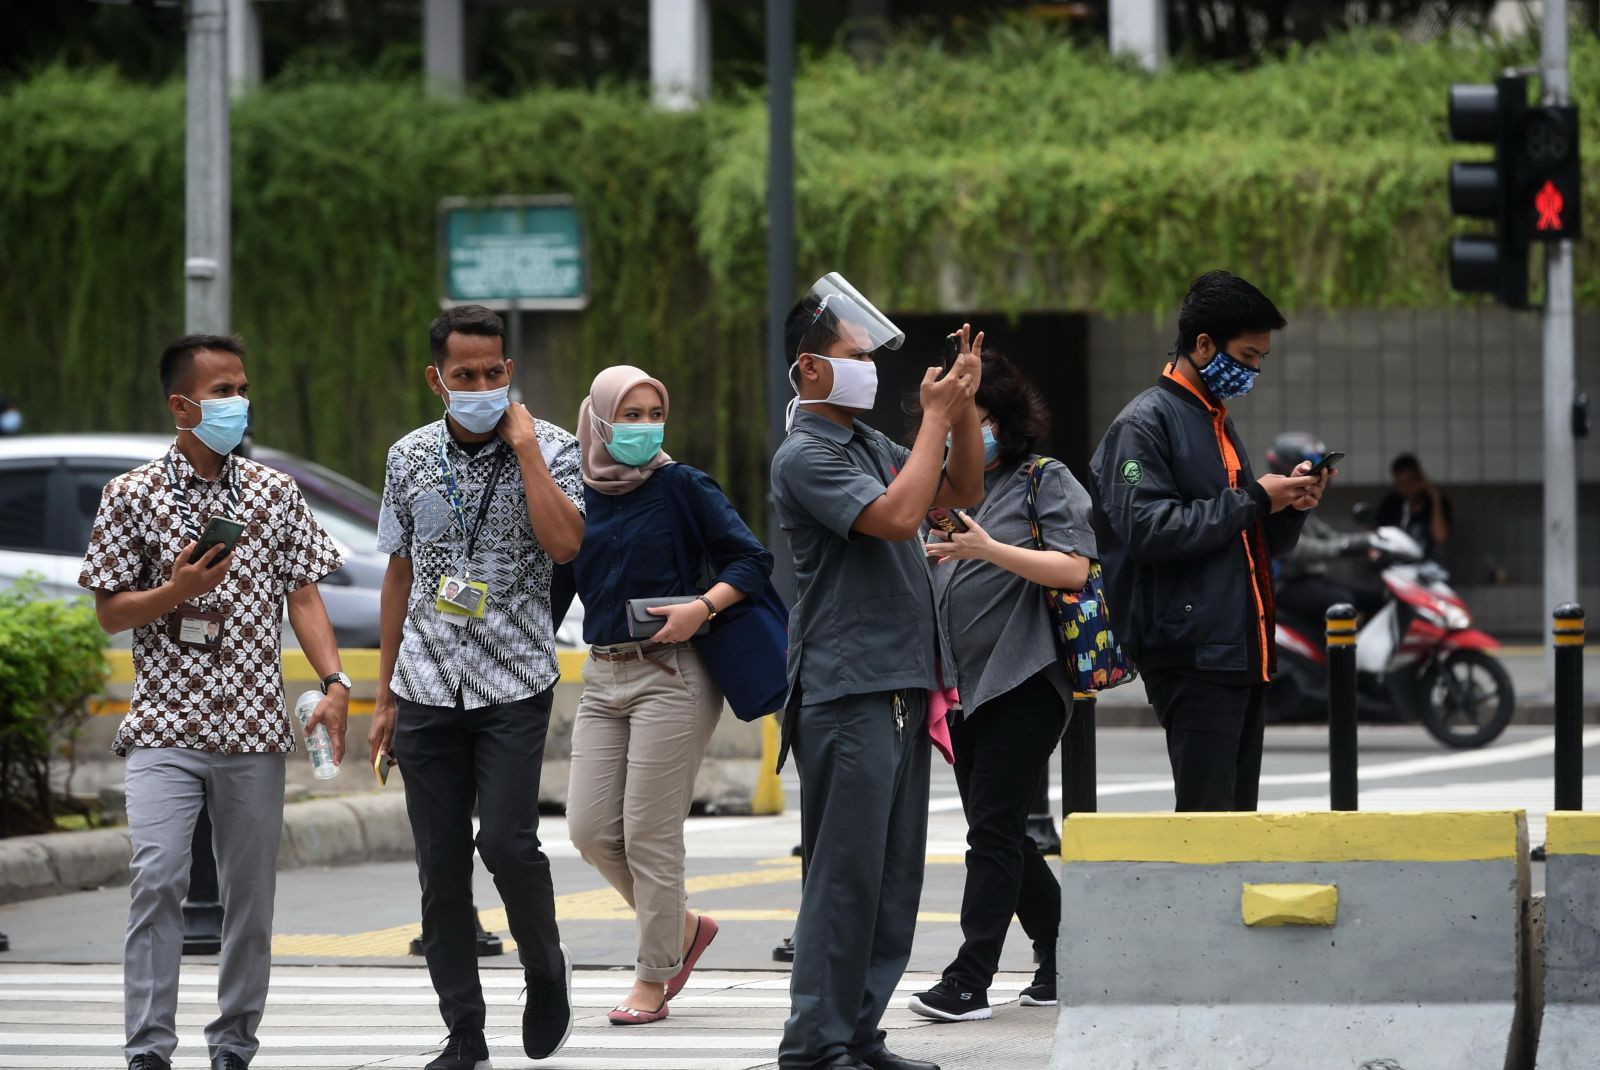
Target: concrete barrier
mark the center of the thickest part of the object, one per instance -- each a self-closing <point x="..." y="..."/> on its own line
<point x="1569" y="1038"/>
<point x="1319" y="941"/>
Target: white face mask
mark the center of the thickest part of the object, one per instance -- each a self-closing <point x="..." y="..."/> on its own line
<point x="855" y="385"/>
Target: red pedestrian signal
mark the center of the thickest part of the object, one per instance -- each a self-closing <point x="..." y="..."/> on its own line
<point x="1548" y="204"/>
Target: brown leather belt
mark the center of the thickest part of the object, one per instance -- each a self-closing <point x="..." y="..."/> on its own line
<point x="641" y="652"/>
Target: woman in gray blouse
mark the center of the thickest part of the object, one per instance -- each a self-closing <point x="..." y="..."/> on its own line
<point x="1000" y="653"/>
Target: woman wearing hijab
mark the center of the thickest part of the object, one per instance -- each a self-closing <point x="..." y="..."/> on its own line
<point x="648" y="708"/>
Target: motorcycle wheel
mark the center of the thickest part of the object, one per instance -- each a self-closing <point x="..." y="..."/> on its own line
<point x="1466" y="699"/>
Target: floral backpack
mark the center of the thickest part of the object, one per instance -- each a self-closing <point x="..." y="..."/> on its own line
<point x="1090" y="651"/>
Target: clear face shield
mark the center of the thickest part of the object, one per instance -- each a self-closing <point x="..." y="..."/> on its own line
<point x="843" y="326"/>
<point x="839" y="309"/>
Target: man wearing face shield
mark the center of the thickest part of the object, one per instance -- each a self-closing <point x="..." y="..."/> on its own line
<point x="489" y="500"/>
<point x="861" y="662"/>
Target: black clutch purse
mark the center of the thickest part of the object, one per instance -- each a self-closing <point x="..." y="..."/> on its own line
<point x="643" y="624"/>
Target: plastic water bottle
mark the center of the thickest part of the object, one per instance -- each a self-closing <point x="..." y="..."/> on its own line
<point x="318" y="745"/>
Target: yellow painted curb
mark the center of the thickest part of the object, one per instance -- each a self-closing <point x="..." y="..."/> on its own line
<point x="1570" y="832"/>
<point x="1310" y="837"/>
<point x="1271" y="905"/>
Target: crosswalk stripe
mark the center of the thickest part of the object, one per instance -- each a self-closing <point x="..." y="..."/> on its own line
<point x="620" y="1039"/>
<point x="503" y="1059"/>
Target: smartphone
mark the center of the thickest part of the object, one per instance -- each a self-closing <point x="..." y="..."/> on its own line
<point x="948" y="521"/>
<point x="952" y="350"/>
<point x="1330" y="460"/>
<point x="220" y="531"/>
<point x="381" y="766"/>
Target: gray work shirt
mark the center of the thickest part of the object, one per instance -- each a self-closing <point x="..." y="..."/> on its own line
<point x="997" y="627"/>
<point x="864" y="620"/>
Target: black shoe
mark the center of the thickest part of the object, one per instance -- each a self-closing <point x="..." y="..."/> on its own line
<point x="1039" y="994"/>
<point x="229" y="1060"/>
<point x="148" y="1060"/>
<point x="547" y="1015"/>
<point x="1042" y="993"/>
<point x="948" y="1002"/>
<point x="465" y="1050"/>
<point x="888" y="1060"/>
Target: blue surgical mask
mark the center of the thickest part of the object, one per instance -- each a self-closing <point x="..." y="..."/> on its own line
<point x="222" y="423"/>
<point x="636" y="444"/>
<point x="991" y="447"/>
<point x="1227" y="378"/>
<point x="479" y="411"/>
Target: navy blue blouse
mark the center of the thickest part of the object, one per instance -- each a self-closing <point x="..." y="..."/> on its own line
<point x="628" y="548"/>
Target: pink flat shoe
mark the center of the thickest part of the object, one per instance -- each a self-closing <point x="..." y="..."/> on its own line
<point x="629" y="1016"/>
<point x="705" y="931"/>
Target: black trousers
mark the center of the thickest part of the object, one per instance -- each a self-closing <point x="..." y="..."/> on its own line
<point x="1214" y="737"/>
<point x="451" y="757"/>
<point x="1002" y="749"/>
<point x="864" y="830"/>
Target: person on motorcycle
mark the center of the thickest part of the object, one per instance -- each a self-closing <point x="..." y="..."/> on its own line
<point x="1305" y="590"/>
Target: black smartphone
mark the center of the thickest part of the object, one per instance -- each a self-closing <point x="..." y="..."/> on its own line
<point x="220" y="531"/>
<point x="952" y="350"/>
<point x="1330" y="460"/>
<point x="947" y="520"/>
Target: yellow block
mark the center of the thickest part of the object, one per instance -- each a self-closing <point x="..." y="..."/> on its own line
<point x="1311" y="837"/>
<point x="768" y="798"/>
<point x="1571" y="832"/>
<point x="1271" y="905"/>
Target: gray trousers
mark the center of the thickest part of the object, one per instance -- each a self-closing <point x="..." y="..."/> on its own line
<point x="864" y="829"/>
<point x="244" y="795"/>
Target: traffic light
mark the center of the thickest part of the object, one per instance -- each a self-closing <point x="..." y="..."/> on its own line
<point x="1530" y="190"/>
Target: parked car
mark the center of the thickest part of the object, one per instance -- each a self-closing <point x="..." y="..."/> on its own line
<point x="50" y="488"/>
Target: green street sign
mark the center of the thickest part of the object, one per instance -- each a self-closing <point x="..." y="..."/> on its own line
<point x="521" y="252"/>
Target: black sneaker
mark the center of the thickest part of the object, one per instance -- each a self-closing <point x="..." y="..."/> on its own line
<point x="229" y="1060"/>
<point x="465" y="1050"/>
<point x="1039" y="994"/>
<point x="948" y="1002"/>
<point x="547" y="1015"/>
<point x="148" y="1060"/>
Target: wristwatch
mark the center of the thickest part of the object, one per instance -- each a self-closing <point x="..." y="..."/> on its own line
<point x="336" y="678"/>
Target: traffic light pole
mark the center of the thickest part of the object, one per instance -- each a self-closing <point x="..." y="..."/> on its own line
<point x="1560" y="379"/>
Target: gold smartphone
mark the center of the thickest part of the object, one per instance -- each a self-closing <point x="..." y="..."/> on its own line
<point x="381" y="766"/>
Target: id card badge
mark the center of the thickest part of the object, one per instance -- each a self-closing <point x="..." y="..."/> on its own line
<point x="195" y="628"/>
<point x="460" y="600"/>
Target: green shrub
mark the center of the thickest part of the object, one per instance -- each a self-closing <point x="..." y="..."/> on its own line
<point x="52" y="660"/>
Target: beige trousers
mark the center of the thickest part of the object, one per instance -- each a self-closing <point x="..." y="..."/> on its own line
<point x="637" y="743"/>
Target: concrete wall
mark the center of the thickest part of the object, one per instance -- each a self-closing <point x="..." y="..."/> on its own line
<point x="1418" y="963"/>
<point x="1569" y="1037"/>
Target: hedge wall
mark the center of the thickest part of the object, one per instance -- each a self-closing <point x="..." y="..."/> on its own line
<point x="1053" y="176"/>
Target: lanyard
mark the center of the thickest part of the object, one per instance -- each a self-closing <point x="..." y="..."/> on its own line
<point x="180" y="496"/>
<point x="453" y="492"/>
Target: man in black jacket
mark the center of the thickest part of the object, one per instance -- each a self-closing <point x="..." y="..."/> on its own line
<point x="1187" y="534"/>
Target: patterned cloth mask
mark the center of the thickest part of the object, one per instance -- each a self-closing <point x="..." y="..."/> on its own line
<point x="1226" y="377"/>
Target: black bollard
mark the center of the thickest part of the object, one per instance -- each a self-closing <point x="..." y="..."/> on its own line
<point x="1568" y="640"/>
<point x="1342" y="706"/>
<point x="1078" y="776"/>
<point x="488" y="944"/>
<point x="202" y="910"/>
<point x="1041" y="826"/>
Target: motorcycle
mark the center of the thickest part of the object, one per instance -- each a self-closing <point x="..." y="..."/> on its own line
<point x="1417" y="658"/>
